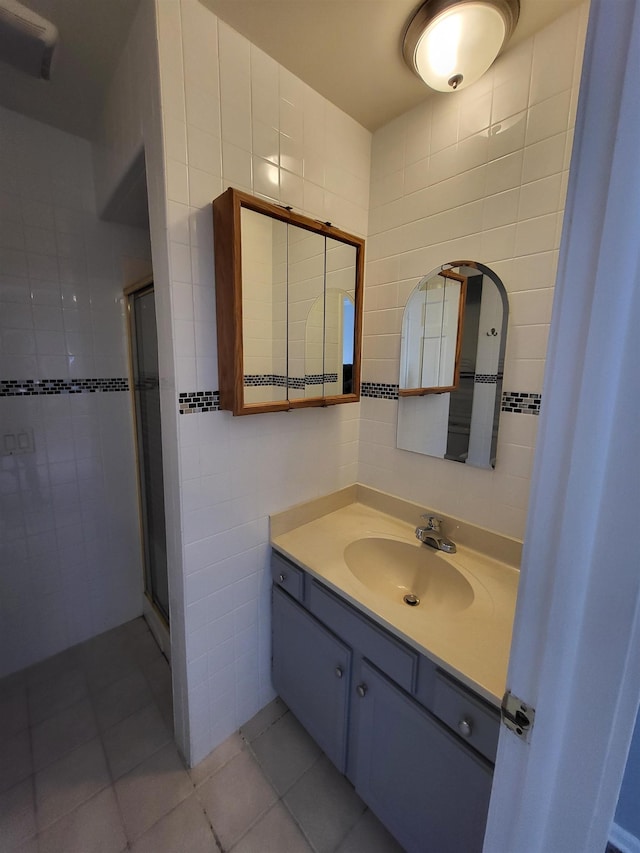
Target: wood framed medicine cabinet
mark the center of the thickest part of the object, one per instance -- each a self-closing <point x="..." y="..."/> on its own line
<point x="289" y="294"/>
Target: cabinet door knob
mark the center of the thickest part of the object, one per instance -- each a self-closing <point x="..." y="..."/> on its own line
<point x="361" y="690"/>
<point x="464" y="727"/>
<point x="339" y="672"/>
<point x="282" y="578"/>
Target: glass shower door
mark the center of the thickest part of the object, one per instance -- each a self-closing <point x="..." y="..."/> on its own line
<point x="144" y="357"/>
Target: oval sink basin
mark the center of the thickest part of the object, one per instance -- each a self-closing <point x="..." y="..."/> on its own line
<point x="393" y="569"/>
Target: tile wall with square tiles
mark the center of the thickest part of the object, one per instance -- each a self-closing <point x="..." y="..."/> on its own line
<point x="479" y="175"/>
<point x="70" y="556"/>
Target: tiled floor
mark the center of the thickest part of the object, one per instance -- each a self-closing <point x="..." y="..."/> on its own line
<point x="88" y="765"/>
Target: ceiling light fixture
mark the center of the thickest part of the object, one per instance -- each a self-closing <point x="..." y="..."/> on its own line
<point x="451" y="43"/>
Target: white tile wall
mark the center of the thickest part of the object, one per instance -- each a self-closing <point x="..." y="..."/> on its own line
<point x="480" y="174"/>
<point x="70" y="557"/>
<point x="251" y="124"/>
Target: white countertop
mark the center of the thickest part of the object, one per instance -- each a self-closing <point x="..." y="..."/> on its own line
<point x="472" y="644"/>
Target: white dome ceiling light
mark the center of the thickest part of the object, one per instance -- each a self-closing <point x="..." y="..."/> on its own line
<point x="451" y="43"/>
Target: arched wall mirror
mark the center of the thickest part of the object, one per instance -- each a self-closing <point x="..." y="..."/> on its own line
<point x="460" y="424"/>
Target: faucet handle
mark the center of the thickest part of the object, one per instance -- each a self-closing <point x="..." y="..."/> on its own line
<point x="433" y="522"/>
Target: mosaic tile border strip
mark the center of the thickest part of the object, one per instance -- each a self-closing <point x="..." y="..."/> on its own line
<point x="48" y="387"/>
<point x="320" y="378"/>
<point x="521" y="402"/>
<point x="258" y="380"/>
<point x="379" y="390"/>
<point x="190" y="402"/>
<point x="486" y="378"/>
<point x="512" y="401"/>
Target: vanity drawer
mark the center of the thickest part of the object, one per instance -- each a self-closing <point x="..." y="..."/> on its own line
<point x="478" y="724"/>
<point x="287" y="576"/>
<point x="393" y="657"/>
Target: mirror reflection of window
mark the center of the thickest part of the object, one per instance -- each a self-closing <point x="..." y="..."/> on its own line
<point x="432" y="334"/>
<point x="460" y="425"/>
<point x="330" y="337"/>
<point x="348" y="337"/>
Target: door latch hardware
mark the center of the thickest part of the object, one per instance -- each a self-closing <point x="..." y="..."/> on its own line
<point x="517" y="716"/>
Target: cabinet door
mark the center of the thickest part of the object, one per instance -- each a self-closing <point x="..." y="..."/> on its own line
<point x="430" y="791"/>
<point x="311" y="669"/>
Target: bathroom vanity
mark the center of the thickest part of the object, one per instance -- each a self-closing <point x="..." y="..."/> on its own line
<point x="400" y="697"/>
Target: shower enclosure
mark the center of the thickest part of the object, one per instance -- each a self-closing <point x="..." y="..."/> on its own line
<point x="143" y="342"/>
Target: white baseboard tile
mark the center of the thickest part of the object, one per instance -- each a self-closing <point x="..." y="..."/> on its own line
<point x="623" y="840"/>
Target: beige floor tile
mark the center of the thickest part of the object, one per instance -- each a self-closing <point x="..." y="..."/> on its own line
<point x="151" y="790"/>
<point x="276" y="832"/>
<point x="158" y="675"/>
<point x="63" y="732"/>
<point x="70" y="781"/>
<point x="285" y="751"/>
<point x="28" y="846"/>
<point x="120" y="699"/>
<point x="15" y="760"/>
<point x="54" y="666"/>
<point x="144" y="649"/>
<point x="55" y="692"/>
<point x="235" y="797"/>
<point x="220" y="756"/>
<point x="370" y="835"/>
<point x="184" y="830"/>
<point x="107" y="666"/>
<point x="134" y="739"/>
<point x="165" y="705"/>
<point x="263" y="719"/>
<point x="325" y="805"/>
<point x="94" y="827"/>
<point x="17" y="815"/>
<point x="135" y="628"/>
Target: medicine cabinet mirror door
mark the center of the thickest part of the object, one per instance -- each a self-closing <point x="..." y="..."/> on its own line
<point x="264" y="308"/>
<point x="460" y="424"/>
<point x="289" y="307"/>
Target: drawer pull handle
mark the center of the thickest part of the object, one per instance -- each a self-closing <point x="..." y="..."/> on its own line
<point x="339" y="672"/>
<point x="361" y="690"/>
<point x="464" y="727"/>
<point x="282" y="578"/>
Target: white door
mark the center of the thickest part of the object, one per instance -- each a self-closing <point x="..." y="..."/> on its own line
<point x="576" y="647"/>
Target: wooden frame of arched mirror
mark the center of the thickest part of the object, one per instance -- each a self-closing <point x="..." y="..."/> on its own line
<point x="276" y="274"/>
<point x="432" y="328"/>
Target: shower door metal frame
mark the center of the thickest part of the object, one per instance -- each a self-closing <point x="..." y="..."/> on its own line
<point x="138" y="289"/>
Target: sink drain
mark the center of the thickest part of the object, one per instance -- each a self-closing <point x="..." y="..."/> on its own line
<point x="411" y="599"/>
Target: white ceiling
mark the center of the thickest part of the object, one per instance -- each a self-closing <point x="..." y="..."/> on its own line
<point x="348" y="50"/>
<point x="351" y="50"/>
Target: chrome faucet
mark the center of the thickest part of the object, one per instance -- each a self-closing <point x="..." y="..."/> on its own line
<point x="430" y="534"/>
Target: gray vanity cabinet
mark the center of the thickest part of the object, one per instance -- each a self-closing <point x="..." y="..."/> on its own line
<point x="417" y="746"/>
<point x="430" y="791"/>
<point x="311" y="671"/>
